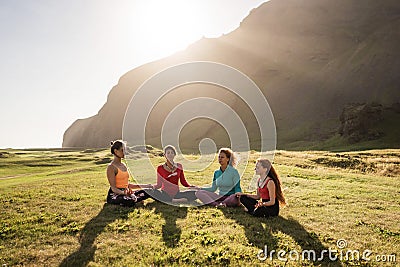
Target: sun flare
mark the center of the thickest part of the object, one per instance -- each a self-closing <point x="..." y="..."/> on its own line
<point x="166" y="26"/>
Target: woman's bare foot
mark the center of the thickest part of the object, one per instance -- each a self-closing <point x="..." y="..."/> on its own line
<point x="221" y="205"/>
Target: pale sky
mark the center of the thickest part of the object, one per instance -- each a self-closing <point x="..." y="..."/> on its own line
<point x="59" y="59"/>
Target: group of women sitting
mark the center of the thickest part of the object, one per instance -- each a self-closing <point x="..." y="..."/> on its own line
<point x="226" y="180"/>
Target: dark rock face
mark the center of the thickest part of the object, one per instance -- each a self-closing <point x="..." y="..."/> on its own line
<point x="358" y="119"/>
<point x="396" y="107"/>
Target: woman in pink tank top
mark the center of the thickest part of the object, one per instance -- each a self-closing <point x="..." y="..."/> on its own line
<point x="269" y="193"/>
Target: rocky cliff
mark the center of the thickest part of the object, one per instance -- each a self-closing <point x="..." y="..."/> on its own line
<point x="309" y="57"/>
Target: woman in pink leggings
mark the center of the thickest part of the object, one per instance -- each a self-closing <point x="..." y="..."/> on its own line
<point x="226" y="179"/>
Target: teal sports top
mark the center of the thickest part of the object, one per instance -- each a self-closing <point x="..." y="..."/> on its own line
<point x="228" y="182"/>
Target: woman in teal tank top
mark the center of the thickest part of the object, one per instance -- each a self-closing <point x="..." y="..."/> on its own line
<point x="226" y="179"/>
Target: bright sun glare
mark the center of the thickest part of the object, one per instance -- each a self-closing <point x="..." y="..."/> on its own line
<point x="167" y="26"/>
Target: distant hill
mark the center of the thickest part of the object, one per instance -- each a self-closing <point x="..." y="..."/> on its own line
<point x="310" y="58"/>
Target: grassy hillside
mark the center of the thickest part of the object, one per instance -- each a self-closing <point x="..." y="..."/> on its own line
<point x="314" y="136"/>
<point x="53" y="214"/>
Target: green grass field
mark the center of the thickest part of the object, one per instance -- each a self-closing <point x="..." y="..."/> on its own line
<point x="53" y="213"/>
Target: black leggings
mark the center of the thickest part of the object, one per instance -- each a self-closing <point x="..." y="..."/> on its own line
<point x="265" y="211"/>
<point x="124" y="200"/>
<point x="161" y="195"/>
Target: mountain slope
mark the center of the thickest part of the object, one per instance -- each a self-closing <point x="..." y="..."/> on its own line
<point x="309" y="57"/>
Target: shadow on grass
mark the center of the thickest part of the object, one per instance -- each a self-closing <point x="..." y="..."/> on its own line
<point x="260" y="237"/>
<point x="171" y="234"/>
<point x="89" y="233"/>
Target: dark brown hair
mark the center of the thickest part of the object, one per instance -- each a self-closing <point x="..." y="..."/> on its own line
<point x="230" y="155"/>
<point x="169" y="147"/>
<point x="117" y="144"/>
<point x="275" y="177"/>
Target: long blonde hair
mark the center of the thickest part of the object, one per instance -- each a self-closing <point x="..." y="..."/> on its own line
<point x="275" y="177"/>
